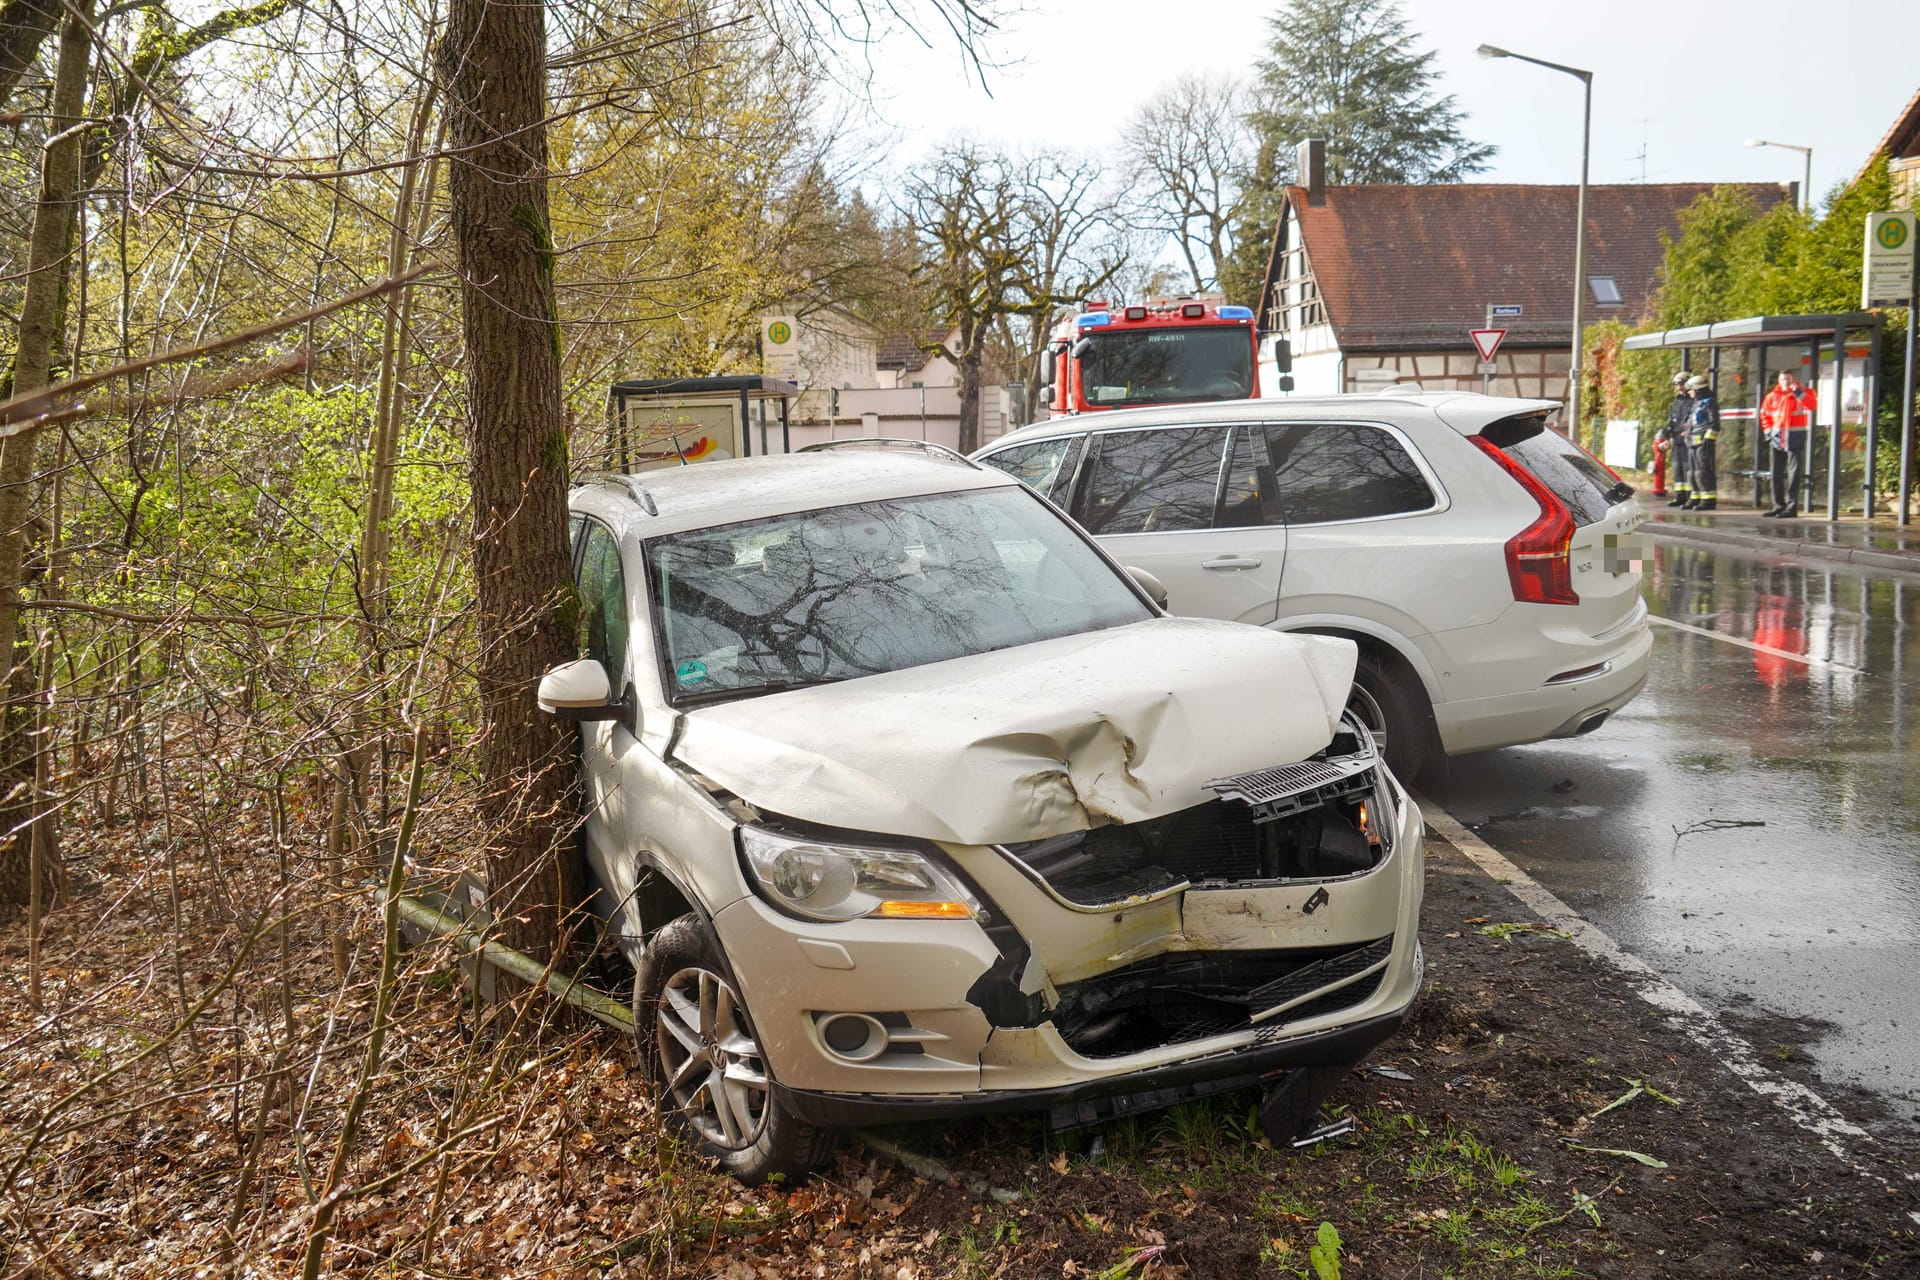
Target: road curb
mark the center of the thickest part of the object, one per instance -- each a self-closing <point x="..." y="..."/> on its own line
<point x="1790" y="548"/>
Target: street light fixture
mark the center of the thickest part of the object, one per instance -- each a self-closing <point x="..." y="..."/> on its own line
<point x="1579" y="223"/>
<point x="1806" y="154"/>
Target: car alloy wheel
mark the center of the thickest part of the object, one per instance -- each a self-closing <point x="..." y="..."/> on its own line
<point x="1366" y="709"/>
<point x="712" y="1069"/>
<point x="1393" y="713"/>
<point x="697" y="1041"/>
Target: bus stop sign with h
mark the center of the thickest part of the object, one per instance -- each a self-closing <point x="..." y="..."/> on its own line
<point x="1890" y="277"/>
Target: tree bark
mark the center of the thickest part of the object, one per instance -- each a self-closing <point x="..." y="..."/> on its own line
<point x="493" y="60"/>
<point x="49" y="252"/>
<point x="970" y="402"/>
<point x="24" y="26"/>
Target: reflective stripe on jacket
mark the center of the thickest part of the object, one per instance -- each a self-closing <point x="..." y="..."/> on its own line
<point x="1704" y="424"/>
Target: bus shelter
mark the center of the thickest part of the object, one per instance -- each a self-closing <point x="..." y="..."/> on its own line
<point x="667" y="422"/>
<point x="1837" y="354"/>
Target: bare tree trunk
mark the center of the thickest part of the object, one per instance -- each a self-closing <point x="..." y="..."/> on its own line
<point x="493" y="59"/>
<point x="972" y="347"/>
<point x="970" y="402"/>
<point x="41" y="313"/>
<point x="372" y="719"/>
<point x="24" y="25"/>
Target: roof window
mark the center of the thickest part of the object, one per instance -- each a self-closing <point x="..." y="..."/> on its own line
<point x="1605" y="291"/>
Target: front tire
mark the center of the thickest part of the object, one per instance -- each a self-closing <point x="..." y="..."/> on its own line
<point x="1395" y="714"/>
<point x="709" y="1072"/>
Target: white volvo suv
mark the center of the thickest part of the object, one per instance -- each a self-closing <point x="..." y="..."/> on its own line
<point x="905" y="800"/>
<point x="1485" y="565"/>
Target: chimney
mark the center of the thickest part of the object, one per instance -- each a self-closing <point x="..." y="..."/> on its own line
<point x="1310" y="169"/>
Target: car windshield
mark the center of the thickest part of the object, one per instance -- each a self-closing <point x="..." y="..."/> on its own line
<point x="1167" y="366"/>
<point x="838" y="592"/>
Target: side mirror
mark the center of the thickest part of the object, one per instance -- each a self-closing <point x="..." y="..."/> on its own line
<point x="1149" y="584"/>
<point x="1081" y="347"/>
<point x="579" y="691"/>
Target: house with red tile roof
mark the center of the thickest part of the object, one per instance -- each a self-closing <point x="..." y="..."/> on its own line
<point x="1902" y="146"/>
<point x="1377" y="284"/>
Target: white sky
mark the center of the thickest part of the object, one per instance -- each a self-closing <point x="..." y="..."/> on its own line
<point x="1687" y="79"/>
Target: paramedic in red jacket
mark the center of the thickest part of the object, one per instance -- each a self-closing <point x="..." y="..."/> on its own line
<point x="1786" y="415"/>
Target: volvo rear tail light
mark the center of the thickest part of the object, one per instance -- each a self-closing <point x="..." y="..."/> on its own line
<point x="1538" y="561"/>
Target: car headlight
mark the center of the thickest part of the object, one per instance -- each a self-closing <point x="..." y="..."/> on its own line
<point x="822" y="880"/>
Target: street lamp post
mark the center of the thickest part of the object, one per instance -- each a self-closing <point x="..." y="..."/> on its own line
<point x="1579" y="226"/>
<point x="1806" y="172"/>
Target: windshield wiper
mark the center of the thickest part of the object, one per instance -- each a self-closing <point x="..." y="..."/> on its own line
<point x="705" y="696"/>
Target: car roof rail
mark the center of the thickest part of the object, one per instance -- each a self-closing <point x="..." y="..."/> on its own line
<point x="631" y="484"/>
<point x="927" y="447"/>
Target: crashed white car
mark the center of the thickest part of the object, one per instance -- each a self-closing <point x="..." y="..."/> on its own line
<point x="905" y="801"/>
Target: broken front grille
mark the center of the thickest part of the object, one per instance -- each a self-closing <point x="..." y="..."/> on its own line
<point x="1183" y="997"/>
<point x="1344" y="771"/>
<point x="1299" y="821"/>
<point x="1216" y="843"/>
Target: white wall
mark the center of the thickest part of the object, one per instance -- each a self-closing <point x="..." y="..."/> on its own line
<point x="1314" y="374"/>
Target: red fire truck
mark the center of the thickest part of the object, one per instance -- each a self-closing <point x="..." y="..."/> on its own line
<point x="1172" y="352"/>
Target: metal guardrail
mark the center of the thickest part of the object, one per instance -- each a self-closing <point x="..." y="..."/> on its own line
<point x="437" y="915"/>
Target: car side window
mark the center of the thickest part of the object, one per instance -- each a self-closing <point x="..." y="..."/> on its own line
<point x="1251" y="495"/>
<point x="1153" y="481"/>
<point x="603" y="602"/>
<point x="1344" y="471"/>
<point x="1045" y="465"/>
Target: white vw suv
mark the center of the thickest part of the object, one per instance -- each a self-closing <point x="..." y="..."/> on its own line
<point x="904" y="800"/>
<point x="1484" y="564"/>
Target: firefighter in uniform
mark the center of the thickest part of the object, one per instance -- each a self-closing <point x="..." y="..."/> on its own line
<point x="1703" y="431"/>
<point x="1785" y="417"/>
<point x="1675" y="435"/>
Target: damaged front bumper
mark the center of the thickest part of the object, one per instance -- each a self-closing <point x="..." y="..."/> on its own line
<point x="1138" y="967"/>
<point x="1108" y="1097"/>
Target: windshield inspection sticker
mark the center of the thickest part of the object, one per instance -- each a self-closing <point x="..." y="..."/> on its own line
<point x="692" y="671"/>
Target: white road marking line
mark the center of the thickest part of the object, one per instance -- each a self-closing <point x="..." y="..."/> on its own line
<point x="1802" y="1105"/>
<point x="1802" y="658"/>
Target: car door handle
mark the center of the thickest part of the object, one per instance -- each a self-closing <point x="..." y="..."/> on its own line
<point x="1231" y="562"/>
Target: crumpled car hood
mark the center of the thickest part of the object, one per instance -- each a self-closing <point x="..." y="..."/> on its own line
<point x="1110" y="726"/>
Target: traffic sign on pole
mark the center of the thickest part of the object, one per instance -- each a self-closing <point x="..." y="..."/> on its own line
<point x="1487" y="341"/>
<point x="1886" y="276"/>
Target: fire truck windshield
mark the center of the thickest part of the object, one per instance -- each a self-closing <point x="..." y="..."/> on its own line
<point x="1167" y="366"/>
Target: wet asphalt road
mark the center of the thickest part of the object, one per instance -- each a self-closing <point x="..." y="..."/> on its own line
<point x="1813" y="917"/>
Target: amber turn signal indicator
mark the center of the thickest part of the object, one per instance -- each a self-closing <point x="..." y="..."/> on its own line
<point x="924" y="910"/>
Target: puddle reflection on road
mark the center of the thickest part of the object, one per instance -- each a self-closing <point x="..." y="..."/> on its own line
<point x="1814" y="915"/>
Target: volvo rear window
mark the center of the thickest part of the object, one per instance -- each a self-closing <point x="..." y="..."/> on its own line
<point x="1589" y="489"/>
